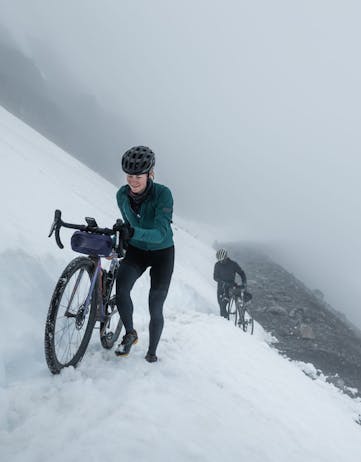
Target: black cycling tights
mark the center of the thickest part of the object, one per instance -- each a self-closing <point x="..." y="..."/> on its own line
<point x="136" y="261"/>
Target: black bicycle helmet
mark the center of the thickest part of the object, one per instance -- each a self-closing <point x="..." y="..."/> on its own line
<point x="138" y="160"/>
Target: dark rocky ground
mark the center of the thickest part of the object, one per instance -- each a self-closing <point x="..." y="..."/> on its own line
<point x="306" y="327"/>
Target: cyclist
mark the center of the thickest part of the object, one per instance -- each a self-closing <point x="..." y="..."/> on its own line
<point x="146" y="208"/>
<point x="224" y="274"/>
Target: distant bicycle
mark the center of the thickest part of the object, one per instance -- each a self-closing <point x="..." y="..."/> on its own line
<point x="237" y="311"/>
<point x="83" y="295"/>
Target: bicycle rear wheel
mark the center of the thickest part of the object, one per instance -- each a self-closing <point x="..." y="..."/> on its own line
<point x="232" y="311"/>
<point x="70" y="322"/>
<point x="111" y="325"/>
<point x="110" y="329"/>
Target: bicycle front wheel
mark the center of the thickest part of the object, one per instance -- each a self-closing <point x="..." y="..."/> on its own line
<point x="70" y="319"/>
<point x="246" y="322"/>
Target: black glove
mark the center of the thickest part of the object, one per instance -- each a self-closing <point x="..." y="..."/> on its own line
<point x="126" y="232"/>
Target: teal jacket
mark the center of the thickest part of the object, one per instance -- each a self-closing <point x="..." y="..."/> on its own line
<point x="152" y="226"/>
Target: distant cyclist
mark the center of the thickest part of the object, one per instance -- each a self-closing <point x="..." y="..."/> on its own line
<point x="224" y="274"/>
<point x="147" y="209"/>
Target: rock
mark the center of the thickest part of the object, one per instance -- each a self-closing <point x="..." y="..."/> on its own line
<point x="307" y="332"/>
<point x="337" y="381"/>
<point x="286" y="298"/>
<point x="276" y="309"/>
<point x="297" y="313"/>
<point x="319" y="295"/>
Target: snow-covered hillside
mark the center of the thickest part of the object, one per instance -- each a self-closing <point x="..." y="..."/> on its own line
<point x="216" y="394"/>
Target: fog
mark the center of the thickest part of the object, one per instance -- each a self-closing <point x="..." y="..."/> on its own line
<point x="252" y="108"/>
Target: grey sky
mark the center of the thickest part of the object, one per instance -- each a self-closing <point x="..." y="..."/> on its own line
<point x="252" y="107"/>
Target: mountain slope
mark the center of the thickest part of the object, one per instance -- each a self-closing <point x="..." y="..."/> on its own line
<point x="215" y="393"/>
<point x="306" y="327"/>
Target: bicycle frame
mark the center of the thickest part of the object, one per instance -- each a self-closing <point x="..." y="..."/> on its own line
<point x="96" y="276"/>
<point x="238" y="303"/>
<point x="233" y="298"/>
<point x="92" y="286"/>
<point x="100" y="304"/>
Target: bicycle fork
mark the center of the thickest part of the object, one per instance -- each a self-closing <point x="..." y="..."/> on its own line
<point x="81" y="314"/>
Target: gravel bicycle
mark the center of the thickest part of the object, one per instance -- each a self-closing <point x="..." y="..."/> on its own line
<point x="237" y="311"/>
<point x="84" y="294"/>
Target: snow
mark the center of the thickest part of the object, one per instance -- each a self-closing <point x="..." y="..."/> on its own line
<point x="215" y="394"/>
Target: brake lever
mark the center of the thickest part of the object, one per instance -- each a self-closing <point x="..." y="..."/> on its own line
<point x="57" y="237"/>
<point x="57" y="216"/>
<point x="52" y="229"/>
<point x="56" y="227"/>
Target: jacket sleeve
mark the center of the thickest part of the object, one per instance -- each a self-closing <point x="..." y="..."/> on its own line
<point x="120" y="192"/>
<point x="240" y="271"/>
<point x="162" y="220"/>
<point x="216" y="273"/>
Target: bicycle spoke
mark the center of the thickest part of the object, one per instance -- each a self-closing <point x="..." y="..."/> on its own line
<point x="77" y="282"/>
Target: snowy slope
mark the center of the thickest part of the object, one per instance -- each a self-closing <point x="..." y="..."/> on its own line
<point x="216" y="394"/>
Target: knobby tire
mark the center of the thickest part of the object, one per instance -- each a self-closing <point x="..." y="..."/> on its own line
<point x="61" y="328"/>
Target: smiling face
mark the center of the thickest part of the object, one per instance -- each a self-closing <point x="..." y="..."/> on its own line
<point x="137" y="183"/>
